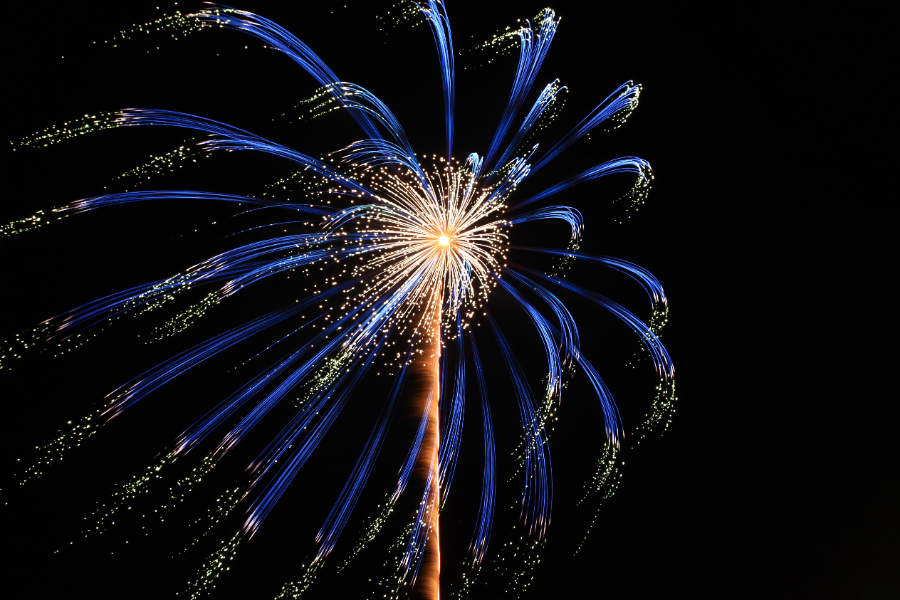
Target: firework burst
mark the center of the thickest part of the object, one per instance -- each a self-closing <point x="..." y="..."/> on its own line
<point x="411" y="248"/>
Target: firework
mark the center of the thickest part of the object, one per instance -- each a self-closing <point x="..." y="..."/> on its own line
<point x="411" y="250"/>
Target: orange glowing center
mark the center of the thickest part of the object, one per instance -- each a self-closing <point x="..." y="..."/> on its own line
<point x="444" y="240"/>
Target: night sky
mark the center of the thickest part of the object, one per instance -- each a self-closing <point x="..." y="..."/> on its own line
<point x="772" y="481"/>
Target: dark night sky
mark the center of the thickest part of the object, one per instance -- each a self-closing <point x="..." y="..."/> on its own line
<point x="773" y="479"/>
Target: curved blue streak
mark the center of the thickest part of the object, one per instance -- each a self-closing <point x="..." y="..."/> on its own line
<point x="281" y="39"/>
<point x="382" y="152"/>
<point x="538" y="493"/>
<point x="624" y="97"/>
<point x="154" y="378"/>
<point x="210" y="271"/>
<point x="482" y="535"/>
<point x="274" y="490"/>
<point x="260" y="410"/>
<point x="140" y="196"/>
<point x="642" y="276"/>
<point x="436" y="15"/>
<point x="282" y="442"/>
<point x="532" y="50"/>
<point x="570" y="215"/>
<point x="611" y="418"/>
<point x="544" y="101"/>
<point x="569" y="340"/>
<point x="340" y="512"/>
<point x="453" y="425"/>
<point x="625" y="164"/>
<point x="661" y="360"/>
<point x="291" y="381"/>
<point x="554" y="369"/>
<point x="232" y="138"/>
<point x="377" y="316"/>
<point x="230" y="405"/>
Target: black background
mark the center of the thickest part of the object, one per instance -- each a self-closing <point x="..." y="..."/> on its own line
<point x="773" y="480"/>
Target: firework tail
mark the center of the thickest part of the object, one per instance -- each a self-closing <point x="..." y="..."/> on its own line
<point x="427" y="468"/>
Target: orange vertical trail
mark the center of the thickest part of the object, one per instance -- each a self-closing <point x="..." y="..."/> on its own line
<point x="428" y="583"/>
